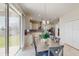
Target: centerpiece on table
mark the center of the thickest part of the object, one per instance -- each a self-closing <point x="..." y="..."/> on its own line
<point x="45" y="37"/>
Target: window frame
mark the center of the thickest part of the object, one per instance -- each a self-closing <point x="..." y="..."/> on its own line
<point x="8" y="6"/>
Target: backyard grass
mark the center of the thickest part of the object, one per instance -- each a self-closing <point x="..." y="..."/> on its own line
<point x="13" y="41"/>
<point x="2" y="41"/>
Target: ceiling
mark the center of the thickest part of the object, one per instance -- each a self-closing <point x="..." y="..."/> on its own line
<point x="48" y="11"/>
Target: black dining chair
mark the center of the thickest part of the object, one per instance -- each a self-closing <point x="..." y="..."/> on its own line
<point x="35" y="47"/>
<point x="56" y="51"/>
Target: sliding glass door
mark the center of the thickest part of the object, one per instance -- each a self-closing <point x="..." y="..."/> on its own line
<point x="14" y="31"/>
<point x="2" y="29"/>
<point x="10" y="28"/>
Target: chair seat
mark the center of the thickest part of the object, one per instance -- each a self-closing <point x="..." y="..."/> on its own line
<point x="42" y="53"/>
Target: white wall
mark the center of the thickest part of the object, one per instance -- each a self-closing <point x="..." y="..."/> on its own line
<point x="27" y="22"/>
<point x="69" y="28"/>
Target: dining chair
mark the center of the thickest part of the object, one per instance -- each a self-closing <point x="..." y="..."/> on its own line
<point x="35" y="47"/>
<point x="56" y="51"/>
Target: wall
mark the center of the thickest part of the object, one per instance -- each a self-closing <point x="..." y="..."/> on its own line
<point x="35" y="25"/>
<point x="27" y="23"/>
<point x="69" y="28"/>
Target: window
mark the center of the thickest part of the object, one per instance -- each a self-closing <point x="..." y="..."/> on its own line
<point x="2" y="29"/>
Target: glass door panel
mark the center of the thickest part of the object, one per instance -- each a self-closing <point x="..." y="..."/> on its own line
<point x="14" y="32"/>
<point x="2" y="29"/>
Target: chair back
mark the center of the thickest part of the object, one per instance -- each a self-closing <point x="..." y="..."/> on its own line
<point x="56" y="51"/>
<point x="34" y="42"/>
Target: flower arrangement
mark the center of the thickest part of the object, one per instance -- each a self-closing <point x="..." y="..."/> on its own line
<point x="45" y="38"/>
<point x="44" y="35"/>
